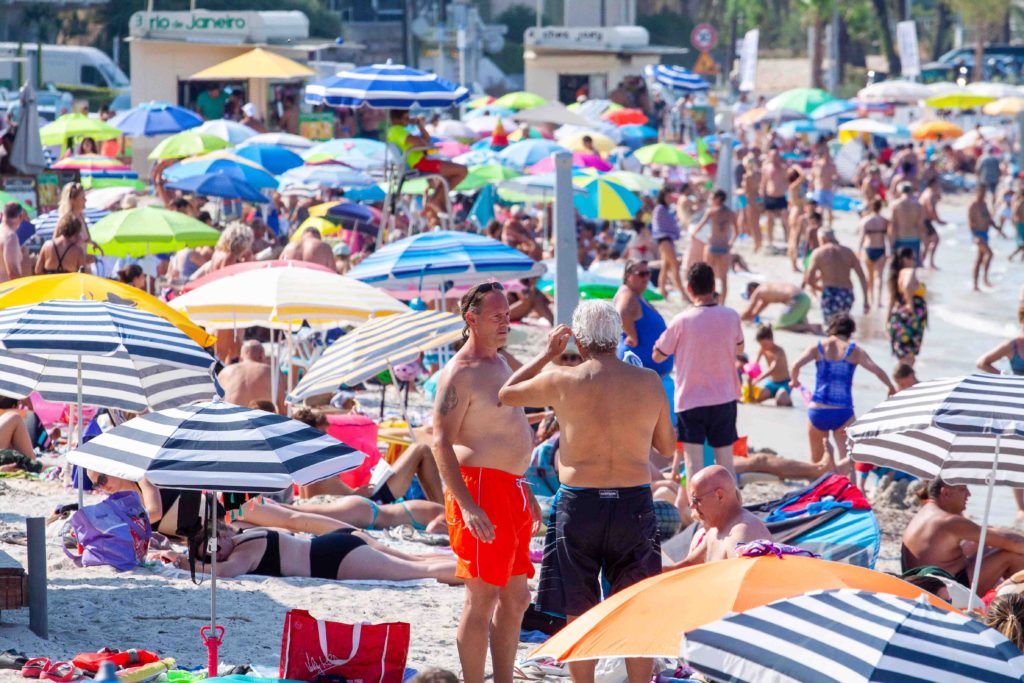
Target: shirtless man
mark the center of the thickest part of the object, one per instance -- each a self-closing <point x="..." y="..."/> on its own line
<point x="310" y="248"/>
<point x="938" y="533"/>
<point x="10" y="246"/>
<point x="249" y="379"/>
<point x="823" y="177"/>
<point x="872" y="187"/>
<point x="797" y="301"/>
<point x="605" y="519"/>
<point x="750" y="189"/>
<point x="718" y="253"/>
<point x="906" y="229"/>
<point x="774" y="184"/>
<point x="482" y="447"/>
<point x="716" y="504"/>
<point x="831" y="267"/>
<point x="930" y="201"/>
<point x="979" y="220"/>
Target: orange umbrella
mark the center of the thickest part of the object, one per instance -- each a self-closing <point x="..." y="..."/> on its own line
<point x="750" y="117"/>
<point x="626" y="117"/>
<point x="648" y="618"/>
<point x="936" y="130"/>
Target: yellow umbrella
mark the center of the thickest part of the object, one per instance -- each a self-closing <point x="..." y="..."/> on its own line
<point x="961" y="99"/>
<point x="1007" y="106"/>
<point x="936" y="130"/>
<point x="574" y="142"/>
<point x="38" y="288"/>
<point x="256" y="63"/>
<point x="325" y="226"/>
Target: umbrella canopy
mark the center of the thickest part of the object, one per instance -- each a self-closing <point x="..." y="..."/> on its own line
<point x="451" y="148"/>
<point x="676" y="77"/>
<point x="256" y="63"/>
<point x="519" y="100"/>
<point x="900" y="91"/>
<point x="485" y="125"/>
<point x="486" y="174"/>
<point x="761" y="115"/>
<point x="273" y="158"/>
<point x="528" y="152"/>
<point x="219" y="184"/>
<point x="343" y="149"/>
<point x="106" y="198"/>
<point x="450" y="128"/>
<point x="592" y="285"/>
<point x="150" y="230"/>
<point x="1007" y="106"/>
<point x="386" y="86"/>
<point x="983" y="135"/>
<point x="936" y="130"/>
<point x="376" y="346"/>
<point x="91" y="163"/>
<point x="7" y="198"/>
<point x="959" y="99"/>
<point x="620" y="626"/>
<point x="478" y="102"/>
<point x="635" y="181"/>
<point x="76" y="126"/>
<point x="803" y="100"/>
<point x="329" y="176"/>
<point x="217" y="446"/>
<point x="638" y="132"/>
<point x="246" y="266"/>
<point x="606" y="200"/>
<point x="850" y="636"/>
<point x="532" y="188"/>
<point x="233" y="132"/>
<point x="188" y="143"/>
<point x="791" y="129"/>
<point x="27" y="152"/>
<point x="626" y="117"/>
<point x="47" y="223"/>
<point x="995" y="90"/>
<point x="833" y="108"/>
<point x="282" y="298"/>
<point x="551" y="112"/>
<point x="294" y="143"/>
<point x="156" y="118"/>
<point x="579" y="160"/>
<point x="602" y="143"/>
<point x="344" y="210"/>
<point x="592" y="109"/>
<point x="665" y="154"/>
<point x="437" y="257"/>
<point x="222" y="162"/>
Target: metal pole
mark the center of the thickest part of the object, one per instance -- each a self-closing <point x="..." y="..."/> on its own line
<point x="289" y="359"/>
<point x="81" y="470"/>
<point x="275" y="367"/>
<point x="539" y="11"/>
<point x="566" y="285"/>
<point x="37" y="621"/>
<point x="973" y="600"/>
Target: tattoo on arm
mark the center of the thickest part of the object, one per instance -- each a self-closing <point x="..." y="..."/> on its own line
<point x="450" y="400"/>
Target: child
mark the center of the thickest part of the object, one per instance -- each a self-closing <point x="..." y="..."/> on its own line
<point x="1006" y="212"/>
<point x="776" y="375"/>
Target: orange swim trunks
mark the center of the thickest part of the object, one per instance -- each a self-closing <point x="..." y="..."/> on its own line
<point x="503" y="497"/>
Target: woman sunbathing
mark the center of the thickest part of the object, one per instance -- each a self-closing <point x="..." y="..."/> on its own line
<point x="342" y="555"/>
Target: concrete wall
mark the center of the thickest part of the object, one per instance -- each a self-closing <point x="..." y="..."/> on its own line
<point x="544" y="68"/>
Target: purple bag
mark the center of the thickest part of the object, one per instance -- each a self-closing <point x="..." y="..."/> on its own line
<point x="115" y="531"/>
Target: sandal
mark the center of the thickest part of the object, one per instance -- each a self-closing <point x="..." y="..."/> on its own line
<point x="34" y="668"/>
<point x="12" y="659"/>
<point x="61" y="672"/>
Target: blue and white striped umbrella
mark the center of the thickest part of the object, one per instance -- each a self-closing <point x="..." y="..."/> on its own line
<point x="849" y="636"/>
<point x="217" y="446"/>
<point x="47" y="223"/>
<point x="433" y="258"/>
<point x="385" y="86"/>
<point x="676" y="77"/>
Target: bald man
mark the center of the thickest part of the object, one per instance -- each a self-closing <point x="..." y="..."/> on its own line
<point x="249" y="378"/>
<point x="310" y="248"/>
<point x="716" y="504"/>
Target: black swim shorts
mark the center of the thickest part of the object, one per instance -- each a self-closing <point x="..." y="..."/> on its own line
<point x="714" y="424"/>
<point x="594" y="534"/>
<point x="779" y="203"/>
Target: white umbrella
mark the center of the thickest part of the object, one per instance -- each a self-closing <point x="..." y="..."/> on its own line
<point x="451" y="129"/>
<point x="484" y="125"/>
<point x="232" y="131"/>
<point x="979" y="135"/>
<point x="898" y="91"/>
<point x="996" y="90"/>
<point x="27" y="152"/>
<point x="295" y="143"/>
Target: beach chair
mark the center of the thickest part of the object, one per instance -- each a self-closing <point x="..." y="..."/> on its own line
<point x="396" y="173"/>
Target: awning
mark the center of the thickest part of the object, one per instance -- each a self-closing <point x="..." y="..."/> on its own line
<point x="258" y="63"/>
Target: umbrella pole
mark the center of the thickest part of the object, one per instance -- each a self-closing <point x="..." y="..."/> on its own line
<point x="290" y="352"/>
<point x="81" y="470"/>
<point x="274" y="369"/>
<point x="212" y="635"/>
<point x="973" y="600"/>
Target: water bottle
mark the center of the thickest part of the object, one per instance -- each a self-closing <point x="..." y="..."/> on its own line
<point x="107" y="673"/>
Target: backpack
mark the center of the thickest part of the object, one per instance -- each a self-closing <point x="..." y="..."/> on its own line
<point x="115" y="531"/>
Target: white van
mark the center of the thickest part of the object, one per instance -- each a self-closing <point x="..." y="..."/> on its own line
<point x="66" y="66"/>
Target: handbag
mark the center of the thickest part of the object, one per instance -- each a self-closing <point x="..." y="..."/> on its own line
<point x="115" y="531"/>
<point x="359" y="653"/>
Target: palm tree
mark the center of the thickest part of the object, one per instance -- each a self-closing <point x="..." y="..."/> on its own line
<point x="816" y="14"/>
<point x="881" y="8"/>
<point x="981" y="15"/>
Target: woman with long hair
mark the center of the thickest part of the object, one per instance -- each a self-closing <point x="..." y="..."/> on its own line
<point x="908" y="310"/>
<point x="64" y="253"/>
<point x="665" y="232"/>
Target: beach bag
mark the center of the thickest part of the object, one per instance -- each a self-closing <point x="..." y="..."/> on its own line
<point x="115" y="531"/>
<point x="361" y="653"/>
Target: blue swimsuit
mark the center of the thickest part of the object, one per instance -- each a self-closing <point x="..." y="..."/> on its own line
<point x="833" y="387"/>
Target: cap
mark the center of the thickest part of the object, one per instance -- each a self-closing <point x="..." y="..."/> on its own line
<point x="342" y="249"/>
<point x="249" y="109"/>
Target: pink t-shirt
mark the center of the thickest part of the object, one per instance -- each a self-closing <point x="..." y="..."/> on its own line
<point x="703" y="341"/>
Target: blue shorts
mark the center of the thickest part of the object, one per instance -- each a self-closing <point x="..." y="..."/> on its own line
<point x="981" y="235"/>
<point x="824" y="198"/>
<point x="773" y="387"/>
<point x="912" y="243"/>
<point x="829" y="419"/>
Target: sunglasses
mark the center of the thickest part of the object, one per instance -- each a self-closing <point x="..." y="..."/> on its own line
<point x="489" y="287"/>
<point x="571" y="358"/>
<point x="100" y="481"/>
<point x="641" y="273"/>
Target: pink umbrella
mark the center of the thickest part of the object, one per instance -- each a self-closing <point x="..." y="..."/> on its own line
<point x="451" y="148"/>
<point x="579" y="160"/>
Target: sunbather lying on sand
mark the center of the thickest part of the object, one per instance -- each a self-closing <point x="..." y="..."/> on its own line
<point x="342" y="555"/>
<point x="14" y="437"/>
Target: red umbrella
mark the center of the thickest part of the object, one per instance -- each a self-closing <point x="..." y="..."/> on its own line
<point x="249" y="265"/>
<point x="626" y="117"/>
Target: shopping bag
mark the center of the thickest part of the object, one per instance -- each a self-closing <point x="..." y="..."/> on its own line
<point x="361" y="653"/>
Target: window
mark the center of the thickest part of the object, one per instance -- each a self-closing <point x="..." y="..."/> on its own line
<point x="92" y="76"/>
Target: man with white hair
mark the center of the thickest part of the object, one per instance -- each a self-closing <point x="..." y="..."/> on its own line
<point x="604" y="512"/>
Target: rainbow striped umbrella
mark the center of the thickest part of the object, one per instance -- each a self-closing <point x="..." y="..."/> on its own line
<point x="606" y="199"/>
<point x="91" y="162"/>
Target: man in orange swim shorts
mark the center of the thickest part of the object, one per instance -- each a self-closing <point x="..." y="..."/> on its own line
<point x="482" y="448"/>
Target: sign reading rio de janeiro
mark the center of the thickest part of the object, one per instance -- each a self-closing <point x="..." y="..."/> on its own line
<point x="181" y="22"/>
<point x="205" y="25"/>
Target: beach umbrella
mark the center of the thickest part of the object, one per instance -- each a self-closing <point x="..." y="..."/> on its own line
<point x="345" y="210"/>
<point x="528" y="152"/>
<point x="90" y="163"/>
<point x="188" y="143"/>
<point x="900" y="91"/>
<point x="802" y="100"/>
<point x="76" y="126"/>
<point x="340" y="149"/>
<point x="434" y="258"/>
<point x="519" y="100"/>
<point x="213" y="447"/>
<point x="851" y="129"/>
<point x="478" y="102"/>
<point x="591" y="285"/>
<point x="294" y="143"/>
<point x="606" y="128"/>
<point x="220" y="184"/>
<point x="451" y="148"/>
<point x="273" y="158"/>
<point x="486" y="174"/>
<point x="761" y="116"/>
<point x="369" y="193"/>
<point x="579" y="160"/>
<point x="538" y="188"/>
<point x="638" y="132"/>
<point x="593" y="109"/>
<point x="150" y="230"/>
<point x="485" y="125"/>
<point x="326" y="176"/>
<point x="551" y="113"/>
<point x="231" y="131"/>
<point x="980" y="136"/>
<point x="6" y="198"/>
<point x="236" y="268"/>
<point x="994" y="90"/>
<point x="225" y="163"/>
<point x="376" y="346"/>
<point x="676" y="78"/>
<point x="833" y="108"/>
<point x="450" y="128"/>
<point x="386" y="86"/>
<point x="790" y="129"/>
<point x="602" y="143"/>
<point x="1006" y="106"/>
<point x="155" y="118"/>
<point x="960" y="99"/>
<point x="620" y="625"/>
<point x="635" y="181"/>
<point x="107" y="198"/>
<point x="491" y="112"/>
<point x="327" y="227"/>
<point x="47" y="222"/>
<point x="851" y="636"/>
<point x="606" y="200"/>
<point x="935" y="130"/>
<point x="966" y="430"/>
<point x="664" y="154"/>
<point x="626" y="117"/>
<point x="525" y="132"/>
<point x="27" y="151"/>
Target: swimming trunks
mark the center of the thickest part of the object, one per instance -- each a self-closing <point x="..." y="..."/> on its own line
<point x="829" y="419"/>
<point x="714" y="424"/>
<point x="796" y="312"/>
<point x="981" y="235"/>
<point x="824" y="198"/>
<point x="779" y="203"/>
<point x="835" y="300"/>
<point x="874" y="253"/>
<point x="962" y="578"/>
<point x="929" y="228"/>
<point x="610" y="532"/>
<point x="1020" y="234"/>
<point x="772" y="387"/>
<point x="328" y="551"/>
<point x="718" y="250"/>
<point x="914" y="244"/>
<point x="502" y="496"/>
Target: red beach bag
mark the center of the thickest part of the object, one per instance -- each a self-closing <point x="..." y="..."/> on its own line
<point x="362" y="653"/>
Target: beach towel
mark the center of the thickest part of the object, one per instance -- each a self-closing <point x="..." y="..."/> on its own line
<point x="371" y="653"/>
<point x="829" y="490"/>
<point x="115" y="531"/>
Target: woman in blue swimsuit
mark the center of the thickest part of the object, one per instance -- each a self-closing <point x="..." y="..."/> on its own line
<point x="830" y="410"/>
<point x="641" y="324"/>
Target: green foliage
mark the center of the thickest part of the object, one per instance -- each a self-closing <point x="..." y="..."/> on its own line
<point x="980" y="12"/>
<point x="517" y="18"/>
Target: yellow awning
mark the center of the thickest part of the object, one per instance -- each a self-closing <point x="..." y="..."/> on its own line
<point x="257" y="63"/>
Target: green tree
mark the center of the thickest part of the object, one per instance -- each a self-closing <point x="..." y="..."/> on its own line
<point x="982" y="16"/>
<point x="815" y="14"/>
<point x="881" y="8"/>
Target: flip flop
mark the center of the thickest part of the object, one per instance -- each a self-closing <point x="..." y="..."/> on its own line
<point x="61" y="672"/>
<point x="34" y="668"/>
<point x="12" y="659"/>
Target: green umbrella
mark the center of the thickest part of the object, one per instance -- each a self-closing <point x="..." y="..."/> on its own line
<point x="486" y="174"/>
<point x="519" y="100"/>
<point x="91" y="182"/>
<point x="149" y="230"/>
<point x="803" y="100"/>
<point x="665" y="154"/>
<point x="187" y="143"/>
<point x="592" y="286"/>
<point x="76" y="126"/>
<point x="6" y="198"/>
<point x="635" y="181"/>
